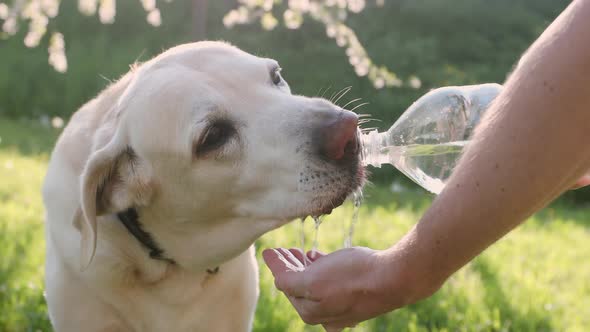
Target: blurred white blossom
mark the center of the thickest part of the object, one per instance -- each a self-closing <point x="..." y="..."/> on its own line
<point x="3" y="11"/>
<point x="37" y="29"/>
<point x="50" y="7"/>
<point x="414" y="82"/>
<point x="87" y="7"/>
<point x="9" y="26"/>
<point x="57" y="122"/>
<point x="267" y="5"/>
<point x="299" y="5"/>
<point x="356" y="6"/>
<point x="268" y="21"/>
<point x="38" y="13"/>
<point x="37" y="23"/>
<point x="379" y="83"/>
<point x="293" y="19"/>
<point x="241" y="15"/>
<point x="107" y="11"/>
<point x="148" y="5"/>
<point x="154" y="17"/>
<point x="331" y="31"/>
<point x="332" y="14"/>
<point x="33" y="11"/>
<point x="57" y="56"/>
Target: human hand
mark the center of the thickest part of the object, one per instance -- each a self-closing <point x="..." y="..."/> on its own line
<point x="338" y="290"/>
<point x="582" y="182"/>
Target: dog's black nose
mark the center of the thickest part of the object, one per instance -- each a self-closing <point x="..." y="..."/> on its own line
<point x="337" y="135"/>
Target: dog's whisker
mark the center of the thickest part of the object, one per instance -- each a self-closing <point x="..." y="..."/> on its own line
<point x="105" y="78"/>
<point x="359" y="105"/>
<point x="351" y="102"/>
<point x="334" y="94"/>
<point x="364" y="130"/>
<point x="332" y="202"/>
<point x="369" y="120"/>
<point x="319" y="93"/>
<point x="325" y="91"/>
<point x="344" y="92"/>
<point x="363" y="115"/>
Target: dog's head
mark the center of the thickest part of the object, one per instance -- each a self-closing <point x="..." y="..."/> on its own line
<point x="209" y="145"/>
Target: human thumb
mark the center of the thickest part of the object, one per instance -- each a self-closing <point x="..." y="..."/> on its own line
<point x="582" y="182"/>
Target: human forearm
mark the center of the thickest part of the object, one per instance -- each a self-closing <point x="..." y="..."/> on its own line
<point x="527" y="151"/>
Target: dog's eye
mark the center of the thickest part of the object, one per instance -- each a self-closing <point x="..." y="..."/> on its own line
<point x="275" y="76"/>
<point x="216" y="135"/>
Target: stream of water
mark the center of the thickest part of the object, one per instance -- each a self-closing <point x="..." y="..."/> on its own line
<point x="357" y="199"/>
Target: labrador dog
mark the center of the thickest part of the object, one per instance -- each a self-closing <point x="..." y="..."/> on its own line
<point x="158" y="188"/>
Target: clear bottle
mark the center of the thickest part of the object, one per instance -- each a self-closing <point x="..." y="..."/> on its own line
<point x="426" y="142"/>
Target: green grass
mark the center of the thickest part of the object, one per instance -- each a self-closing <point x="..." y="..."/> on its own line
<point x="23" y="157"/>
<point x="535" y="279"/>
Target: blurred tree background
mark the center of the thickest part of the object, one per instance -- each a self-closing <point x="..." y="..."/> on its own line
<point x="532" y="280"/>
<point x="441" y="42"/>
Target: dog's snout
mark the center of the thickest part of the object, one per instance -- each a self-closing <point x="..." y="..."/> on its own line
<point x="338" y="135"/>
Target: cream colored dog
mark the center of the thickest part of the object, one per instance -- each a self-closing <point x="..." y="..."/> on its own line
<point x="158" y="188"/>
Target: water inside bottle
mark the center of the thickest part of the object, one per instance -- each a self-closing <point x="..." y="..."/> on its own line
<point x="429" y="165"/>
<point x="426" y="141"/>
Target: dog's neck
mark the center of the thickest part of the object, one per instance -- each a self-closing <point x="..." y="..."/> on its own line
<point x="130" y="219"/>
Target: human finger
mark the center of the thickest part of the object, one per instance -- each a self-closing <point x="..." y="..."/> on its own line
<point x="314" y="255"/>
<point x="288" y="277"/>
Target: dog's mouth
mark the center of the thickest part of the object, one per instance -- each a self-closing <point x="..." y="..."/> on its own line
<point x="328" y="182"/>
<point x="330" y="204"/>
<point x="330" y="188"/>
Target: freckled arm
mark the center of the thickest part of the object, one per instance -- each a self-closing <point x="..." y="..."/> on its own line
<point x="533" y="145"/>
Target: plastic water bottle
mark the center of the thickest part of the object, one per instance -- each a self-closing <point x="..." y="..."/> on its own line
<point x="426" y="142"/>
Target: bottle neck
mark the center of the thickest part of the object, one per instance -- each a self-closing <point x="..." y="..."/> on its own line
<point x="371" y="145"/>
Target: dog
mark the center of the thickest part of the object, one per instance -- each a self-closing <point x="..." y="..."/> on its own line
<point x="158" y="187"/>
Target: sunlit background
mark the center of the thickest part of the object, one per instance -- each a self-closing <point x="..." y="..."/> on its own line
<point x="56" y="55"/>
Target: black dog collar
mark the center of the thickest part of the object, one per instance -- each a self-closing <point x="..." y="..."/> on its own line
<point x="130" y="219"/>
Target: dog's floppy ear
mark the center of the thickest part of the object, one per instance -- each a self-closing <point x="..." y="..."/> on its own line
<point x="114" y="179"/>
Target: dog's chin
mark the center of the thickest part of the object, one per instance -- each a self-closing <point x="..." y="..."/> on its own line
<point x="324" y="204"/>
